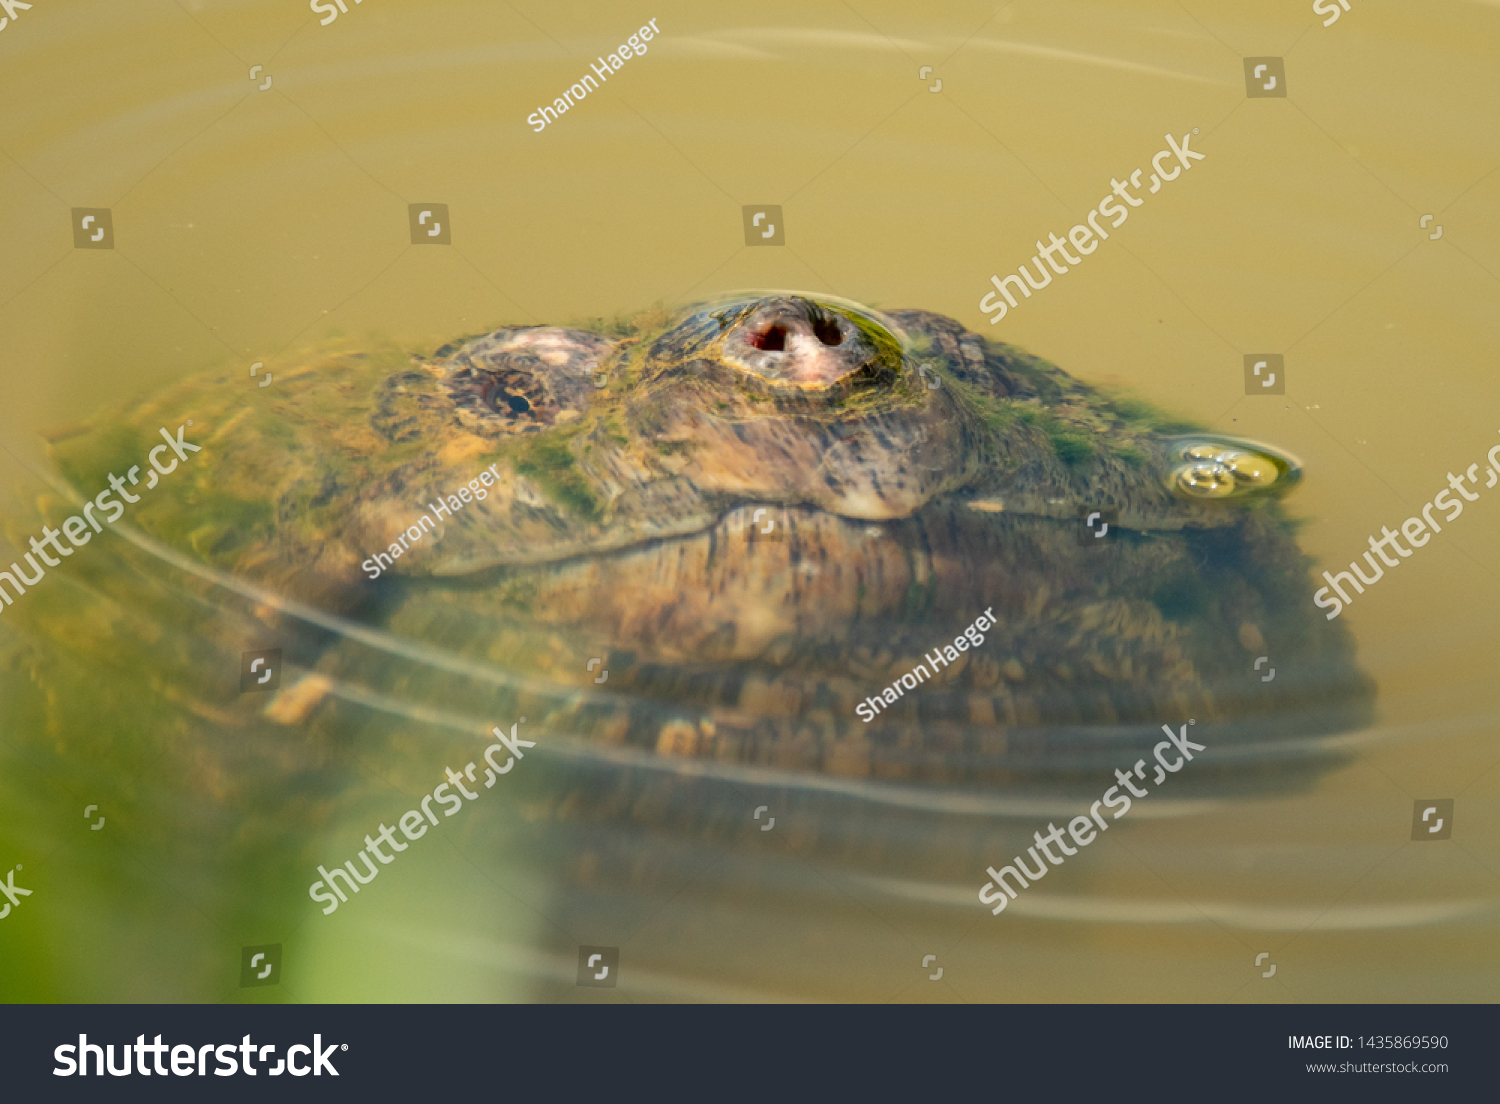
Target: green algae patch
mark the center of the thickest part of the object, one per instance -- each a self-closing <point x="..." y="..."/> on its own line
<point x="548" y="459"/>
<point x="1071" y="448"/>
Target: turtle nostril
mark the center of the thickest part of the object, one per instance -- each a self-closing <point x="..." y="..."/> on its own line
<point x="828" y="332"/>
<point x="773" y="339"/>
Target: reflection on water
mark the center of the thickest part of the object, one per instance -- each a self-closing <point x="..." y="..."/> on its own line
<point x="703" y="794"/>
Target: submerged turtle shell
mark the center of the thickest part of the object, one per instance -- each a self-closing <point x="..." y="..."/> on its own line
<point x="618" y="586"/>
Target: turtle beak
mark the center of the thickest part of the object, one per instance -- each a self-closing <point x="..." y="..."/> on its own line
<point x="798" y="343"/>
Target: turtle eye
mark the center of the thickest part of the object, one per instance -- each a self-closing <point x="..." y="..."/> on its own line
<point x="524" y="380"/>
<point x="504" y="401"/>
<point x="512" y="392"/>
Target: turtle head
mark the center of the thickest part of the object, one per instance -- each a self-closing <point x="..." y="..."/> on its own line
<point x="609" y="435"/>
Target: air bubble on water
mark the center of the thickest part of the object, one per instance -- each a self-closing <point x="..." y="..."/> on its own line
<point x="1204" y="479"/>
<point x="1202" y="451"/>
<point x="1250" y="470"/>
<point x="1219" y="469"/>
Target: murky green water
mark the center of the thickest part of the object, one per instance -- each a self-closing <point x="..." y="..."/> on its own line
<point x="252" y="226"/>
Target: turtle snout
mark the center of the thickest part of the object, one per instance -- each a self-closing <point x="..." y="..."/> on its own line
<point x="772" y="336"/>
<point x="799" y="343"/>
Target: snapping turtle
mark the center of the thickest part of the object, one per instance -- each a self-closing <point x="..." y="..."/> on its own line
<point x="702" y="557"/>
